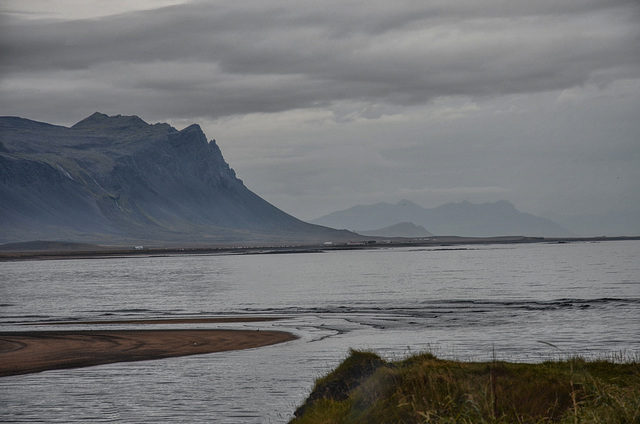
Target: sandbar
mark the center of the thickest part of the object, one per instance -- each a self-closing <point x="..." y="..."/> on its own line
<point x="34" y="351"/>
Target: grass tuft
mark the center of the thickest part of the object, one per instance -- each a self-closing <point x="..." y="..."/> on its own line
<point x="424" y="389"/>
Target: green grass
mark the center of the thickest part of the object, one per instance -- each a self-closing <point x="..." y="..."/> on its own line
<point x="424" y="389"/>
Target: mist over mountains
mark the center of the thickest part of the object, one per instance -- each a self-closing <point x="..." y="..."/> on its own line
<point x="452" y="219"/>
<point x="402" y="229"/>
<point x="118" y="179"/>
<point x="613" y="223"/>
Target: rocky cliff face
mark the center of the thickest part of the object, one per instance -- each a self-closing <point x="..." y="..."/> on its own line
<point x="119" y="179"/>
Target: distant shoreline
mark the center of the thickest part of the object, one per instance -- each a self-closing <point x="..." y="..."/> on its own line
<point x="374" y="243"/>
<point x="216" y="320"/>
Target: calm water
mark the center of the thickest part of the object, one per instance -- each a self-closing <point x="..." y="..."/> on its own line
<point x="464" y="302"/>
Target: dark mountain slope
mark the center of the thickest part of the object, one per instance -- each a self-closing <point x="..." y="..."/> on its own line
<point x="119" y="179"/>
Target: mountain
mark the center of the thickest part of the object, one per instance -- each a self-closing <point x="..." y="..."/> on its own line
<point x="452" y="219"/>
<point x="117" y="179"/>
<point x="403" y="229"/>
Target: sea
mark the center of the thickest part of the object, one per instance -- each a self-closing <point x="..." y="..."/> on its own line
<point x="512" y="302"/>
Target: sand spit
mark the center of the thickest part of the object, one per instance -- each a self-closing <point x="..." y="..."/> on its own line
<point x="35" y="351"/>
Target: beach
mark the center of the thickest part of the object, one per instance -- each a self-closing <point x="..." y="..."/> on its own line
<point x="34" y="351"/>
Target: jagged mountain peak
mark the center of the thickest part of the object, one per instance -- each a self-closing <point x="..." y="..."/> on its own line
<point x="193" y="133"/>
<point x="92" y="119"/>
<point x="119" y="178"/>
<point x="98" y="119"/>
<point x="193" y="128"/>
<point x="100" y="123"/>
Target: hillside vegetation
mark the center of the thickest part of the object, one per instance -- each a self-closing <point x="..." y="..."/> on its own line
<point x="424" y="389"/>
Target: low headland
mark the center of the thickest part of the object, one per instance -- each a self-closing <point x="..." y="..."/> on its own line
<point x="424" y="389"/>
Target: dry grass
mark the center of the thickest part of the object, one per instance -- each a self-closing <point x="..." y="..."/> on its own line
<point x="424" y="389"/>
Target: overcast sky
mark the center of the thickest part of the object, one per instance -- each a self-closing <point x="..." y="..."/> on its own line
<point x="323" y="105"/>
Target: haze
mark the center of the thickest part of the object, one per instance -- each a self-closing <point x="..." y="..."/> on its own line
<point x="321" y="106"/>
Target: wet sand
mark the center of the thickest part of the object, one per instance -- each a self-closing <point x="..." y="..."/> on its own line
<point x="35" y="351"/>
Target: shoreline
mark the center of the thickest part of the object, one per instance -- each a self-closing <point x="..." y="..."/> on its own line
<point x="28" y="352"/>
<point x="202" y="320"/>
<point x="374" y="243"/>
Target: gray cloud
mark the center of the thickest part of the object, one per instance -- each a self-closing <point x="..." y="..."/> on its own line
<point x="444" y="100"/>
<point x="268" y="56"/>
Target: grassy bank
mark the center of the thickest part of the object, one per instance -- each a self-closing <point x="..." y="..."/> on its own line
<point x="425" y="389"/>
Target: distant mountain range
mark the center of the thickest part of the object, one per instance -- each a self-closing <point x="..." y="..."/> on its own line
<point x="452" y="219"/>
<point x="117" y="179"/>
<point x="402" y="229"/>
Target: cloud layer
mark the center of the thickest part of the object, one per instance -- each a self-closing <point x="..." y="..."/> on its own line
<point x="338" y="75"/>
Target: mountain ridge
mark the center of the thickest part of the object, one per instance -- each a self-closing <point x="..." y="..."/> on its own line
<point x="119" y="179"/>
<point x="401" y="229"/>
<point x="490" y="219"/>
